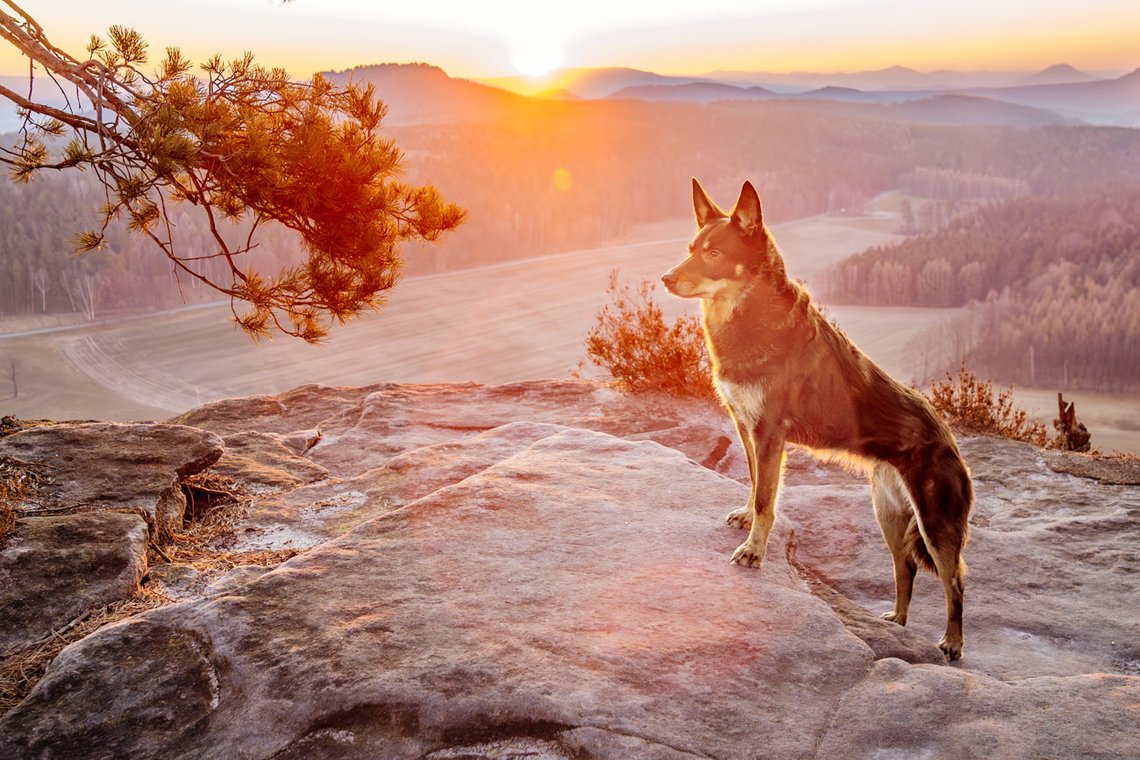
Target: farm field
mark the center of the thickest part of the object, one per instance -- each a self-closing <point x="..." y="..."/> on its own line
<point x="507" y="322"/>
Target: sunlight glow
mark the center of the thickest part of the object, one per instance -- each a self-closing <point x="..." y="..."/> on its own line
<point x="494" y="37"/>
<point x="534" y="55"/>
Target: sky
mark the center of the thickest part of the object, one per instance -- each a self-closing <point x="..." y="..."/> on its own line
<point x="485" y="38"/>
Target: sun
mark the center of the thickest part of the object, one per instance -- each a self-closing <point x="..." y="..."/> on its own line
<point x="534" y="55"/>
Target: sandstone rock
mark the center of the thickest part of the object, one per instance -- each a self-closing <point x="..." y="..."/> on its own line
<point x="399" y="418"/>
<point x="261" y="462"/>
<point x="574" y="585"/>
<point x="1052" y="588"/>
<point x="106" y="466"/>
<point x="308" y="516"/>
<point x="488" y="578"/>
<point x="935" y="712"/>
<point x="1119" y="471"/>
<point x="301" y="408"/>
<point x="58" y="568"/>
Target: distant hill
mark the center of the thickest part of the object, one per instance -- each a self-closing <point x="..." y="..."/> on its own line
<point x="589" y="83"/>
<point x="1103" y="101"/>
<point x="1057" y="273"/>
<point x="892" y="78"/>
<point x="1059" y="93"/>
<point x="1061" y="73"/>
<point x="420" y="93"/>
<point x="964" y="110"/>
<point x="842" y="95"/>
<point x="693" y="92"/>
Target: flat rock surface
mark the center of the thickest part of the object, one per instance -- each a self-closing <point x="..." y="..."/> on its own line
<point x="264" y="462"/>
<point x="57" y="568"/>
<point x="569" y="586"/>
<point x="109" y="466"/>
<point x="541" y="570"/>
<point x="1054" y="566"/>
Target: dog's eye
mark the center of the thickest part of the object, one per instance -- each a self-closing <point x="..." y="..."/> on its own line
<point x="713" y="253"/>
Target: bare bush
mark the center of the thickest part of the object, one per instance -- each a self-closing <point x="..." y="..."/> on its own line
<point x="969" y="404"/>
<point x="632" y="341"/>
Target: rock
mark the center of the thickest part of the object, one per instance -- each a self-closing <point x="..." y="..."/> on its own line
<point x="261" y="462"/>
<point x="1118" y="471"/>
<point x="541" y="569"/>
<point x="309" y="516"/>
<point x="398" y="418"/>
<point x="57" y="568"/>
<point x="106" y="466"/>
<point x="707" y="445"/>
<point x="885" y="639"/>
<point x="302" y="408"/>
<point x="574" y="585"/>
<point x="935" y="712"/>
<point x="1047" y="555"/>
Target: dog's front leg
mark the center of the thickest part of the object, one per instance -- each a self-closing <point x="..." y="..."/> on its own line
<point x="742" y="517"/>
<point x="767" y="465"/>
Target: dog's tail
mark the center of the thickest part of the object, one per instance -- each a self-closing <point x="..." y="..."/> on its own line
<point x="920" y="553"/>
<point x="916" y="547"/>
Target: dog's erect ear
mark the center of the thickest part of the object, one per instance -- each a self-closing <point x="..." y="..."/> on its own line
<point x="747" y="213"/>
<point x="703" y="208"/>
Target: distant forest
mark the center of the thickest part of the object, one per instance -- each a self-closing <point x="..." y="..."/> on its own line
<point x="1052" y="285"/>
<point x="547" y="176"/>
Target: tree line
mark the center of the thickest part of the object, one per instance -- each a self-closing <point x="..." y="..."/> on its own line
<point x="551" y="176"/>
<point x="1052" y="287"/>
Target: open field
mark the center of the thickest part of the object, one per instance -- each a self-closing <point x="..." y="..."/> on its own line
<point x="502" y="323"/>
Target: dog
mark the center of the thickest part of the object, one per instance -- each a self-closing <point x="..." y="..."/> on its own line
<point x="787" y="375"/>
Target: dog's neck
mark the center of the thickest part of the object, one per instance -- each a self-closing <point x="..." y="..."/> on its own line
<point x="761" y="321"/>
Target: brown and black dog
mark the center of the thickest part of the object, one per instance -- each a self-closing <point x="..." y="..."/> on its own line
<point x="788" y="376"/>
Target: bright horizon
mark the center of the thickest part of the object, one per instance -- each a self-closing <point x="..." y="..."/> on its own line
<point x="497" y="39"/>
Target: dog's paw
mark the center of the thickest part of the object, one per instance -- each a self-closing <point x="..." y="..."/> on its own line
<point x="952" y="649"/>
<point x="894" y="617"/>
<point x="740" y="518"/>
<point x="748" y="554"/>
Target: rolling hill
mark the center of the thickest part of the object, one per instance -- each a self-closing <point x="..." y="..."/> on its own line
<point x="418" y="93"/>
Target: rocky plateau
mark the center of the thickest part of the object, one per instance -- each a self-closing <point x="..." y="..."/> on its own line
<point x="541" y="570"/>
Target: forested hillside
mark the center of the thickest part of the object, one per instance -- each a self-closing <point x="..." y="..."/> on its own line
<point x="1053" y="286"/>
<point x="540" y="176"/>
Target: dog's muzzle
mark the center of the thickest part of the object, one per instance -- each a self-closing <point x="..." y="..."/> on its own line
<point x="670" y="279"/>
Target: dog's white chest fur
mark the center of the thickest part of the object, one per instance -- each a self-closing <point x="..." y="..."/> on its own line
<point x="745" y="399"/>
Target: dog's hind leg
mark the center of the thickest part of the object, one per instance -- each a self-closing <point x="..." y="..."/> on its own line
<point x="895" y="516"/>
<point x="942" y="493"/>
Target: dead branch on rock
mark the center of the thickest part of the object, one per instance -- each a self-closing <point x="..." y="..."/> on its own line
<point x="1072" y="435"/>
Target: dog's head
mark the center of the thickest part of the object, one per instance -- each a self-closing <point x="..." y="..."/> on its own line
<point x="727" y="250"/>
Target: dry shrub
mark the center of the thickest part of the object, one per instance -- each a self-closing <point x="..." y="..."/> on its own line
<point x="632" y="341"/>
<point x="9" y="495"/>
<point x="214" y="505"/>
<point x="17" y="481"/>
<point x="969" y="404"/>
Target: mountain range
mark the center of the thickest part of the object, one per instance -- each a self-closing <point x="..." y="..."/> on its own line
<point x="1060" y="93"/>
<point x="420" y="93"/>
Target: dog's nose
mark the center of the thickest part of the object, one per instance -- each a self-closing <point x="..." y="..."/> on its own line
<point x="669" y="279"/>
